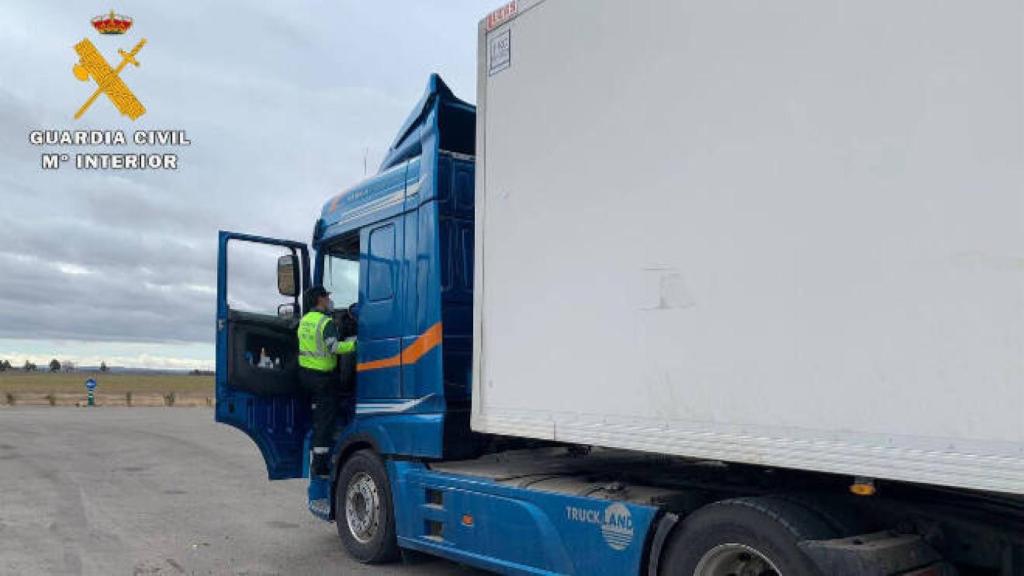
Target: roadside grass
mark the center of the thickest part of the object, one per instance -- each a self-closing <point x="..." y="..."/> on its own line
<point x="18" y="382"/>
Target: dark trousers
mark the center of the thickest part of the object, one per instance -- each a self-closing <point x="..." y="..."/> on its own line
<point x="328" y="403"/>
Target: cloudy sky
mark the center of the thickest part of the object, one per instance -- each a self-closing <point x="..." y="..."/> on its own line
<point x="282" y="101"/>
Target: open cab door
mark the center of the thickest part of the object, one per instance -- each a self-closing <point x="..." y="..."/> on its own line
<point x="257" y="350"/>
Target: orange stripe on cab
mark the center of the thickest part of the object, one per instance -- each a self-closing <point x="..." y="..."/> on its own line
<point x="412" y="353"/>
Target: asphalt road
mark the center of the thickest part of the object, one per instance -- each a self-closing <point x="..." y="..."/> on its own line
<point x="166" y="491"/>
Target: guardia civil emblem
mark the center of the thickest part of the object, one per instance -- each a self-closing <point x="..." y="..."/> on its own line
<point x="107" y="80"/>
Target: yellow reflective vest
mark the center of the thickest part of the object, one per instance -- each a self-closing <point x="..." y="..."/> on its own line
<point x="315" y="351"/>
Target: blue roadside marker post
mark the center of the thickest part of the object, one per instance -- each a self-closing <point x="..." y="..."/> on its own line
<point x="90" y="385"/>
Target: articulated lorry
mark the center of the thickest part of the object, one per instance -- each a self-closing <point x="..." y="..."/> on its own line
<point x="702" y="287"/>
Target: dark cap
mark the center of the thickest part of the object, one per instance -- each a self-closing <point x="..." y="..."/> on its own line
<point x="315" y="292"/>
<point x="310" y="297"/>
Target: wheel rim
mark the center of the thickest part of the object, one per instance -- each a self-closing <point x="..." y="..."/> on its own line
<point x="362" y="507"/>
<point x="735" y="560"/>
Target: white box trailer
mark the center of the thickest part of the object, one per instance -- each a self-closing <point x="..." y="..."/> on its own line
<point x="783" y="233"/>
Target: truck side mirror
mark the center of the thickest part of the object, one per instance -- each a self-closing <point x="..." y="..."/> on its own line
<point x="288" y="311"/>
<point x="288" y="275"/>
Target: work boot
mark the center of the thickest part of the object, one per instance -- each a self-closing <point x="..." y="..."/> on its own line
<point x="320" y="464"/>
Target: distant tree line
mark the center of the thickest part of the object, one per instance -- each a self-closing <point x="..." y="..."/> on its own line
<point x="54" y="366"/>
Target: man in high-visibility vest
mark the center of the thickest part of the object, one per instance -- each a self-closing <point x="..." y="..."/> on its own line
<point x="319" y="347"/>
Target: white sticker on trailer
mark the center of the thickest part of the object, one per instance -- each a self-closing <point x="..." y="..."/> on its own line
<point x="499" y="52"/>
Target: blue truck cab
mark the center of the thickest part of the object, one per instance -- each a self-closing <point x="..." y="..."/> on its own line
<point x="400" y="247"/>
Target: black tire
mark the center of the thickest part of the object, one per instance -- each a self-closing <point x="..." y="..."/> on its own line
<point x="364" y="472"/>
<point x="836" y="511"/>
<point x="771" y="527"/>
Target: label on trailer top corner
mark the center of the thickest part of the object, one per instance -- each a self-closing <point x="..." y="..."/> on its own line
<point x="502" y="15"/>
<point x="499" y="52"/>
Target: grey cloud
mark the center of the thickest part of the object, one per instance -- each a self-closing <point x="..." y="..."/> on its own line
<point x="43" y="302"/>
<point x="95" y="244"/>
<point x="134" y="205"/>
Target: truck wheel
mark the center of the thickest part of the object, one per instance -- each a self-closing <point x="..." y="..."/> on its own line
<point x="838" y="512"/>
<point x="363" y="509"/>
<point x="744" y="537"/>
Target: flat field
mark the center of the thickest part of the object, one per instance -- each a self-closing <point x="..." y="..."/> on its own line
<point x="107" y="383"/>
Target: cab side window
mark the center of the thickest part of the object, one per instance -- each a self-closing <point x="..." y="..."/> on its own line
<point x="381" y="258"/>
